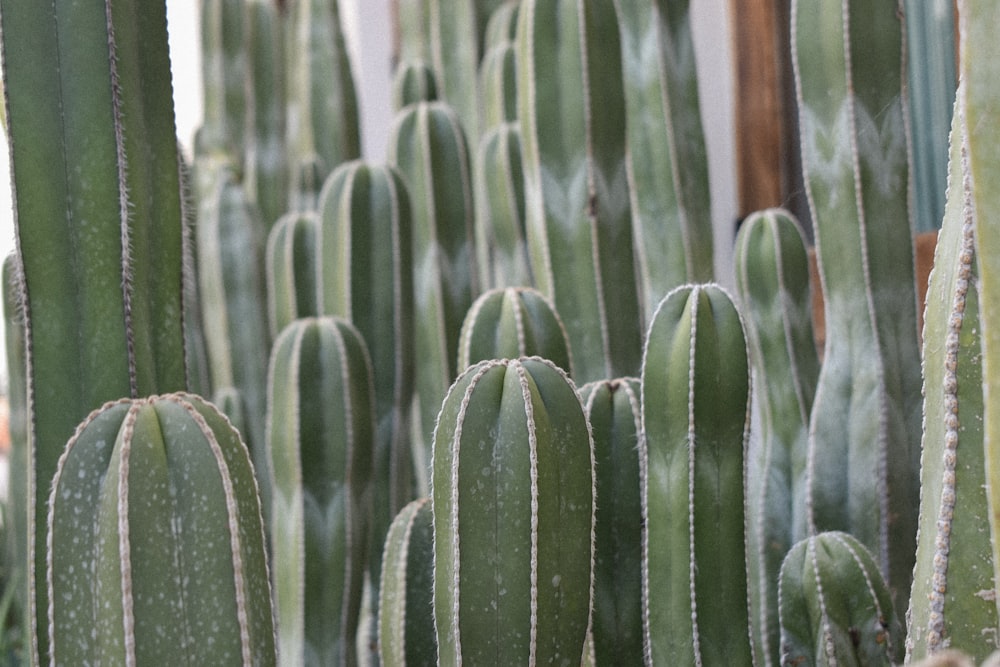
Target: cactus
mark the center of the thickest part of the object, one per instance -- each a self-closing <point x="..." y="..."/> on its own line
<point x="453" y="32"/>
<point x="835" y="606"/>
<point x="224" y="73"/>
<point x="848" y="62"/>
<point x="613" y="410"/>
<point x="501" y="25"/>
<point x="156" y="543"/>
<point x="406" y="630"/>
<point x="498" y="85"/>
<point x="513" y="502"/>
<point x="98" y="215"/>
<point x="412" y="18"/>
<point x="233" y="295"/>
<point x="668" y="161"/>
<point x="695" y="418"/>
<point x="413" y="82"/>
<point x="291" y="270"/>
<point x="323" y="123"/>
<point x="321" y="432"/>
<point x="506" y="323"/>
<point x="772" y="278"/>
<point x="948" y="606"/>
<point x="572" y="113"/>
<point x="429" y="149"/>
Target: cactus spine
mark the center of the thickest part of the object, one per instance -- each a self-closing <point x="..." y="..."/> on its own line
<point x="513" y="502"/>
<point x="321" y="431"/>
<point x="772" y="278"/>
<point x="613" y="410"/>
<point x="848" y="61"/>
<point x="668" y="162"/>
<point x="156" y="543"/>
<point x="835" y="606"/>
<point x="695" y="417"/>
<point x="406" y="630"/>
<point x="948" y="606"/>
<point x="98" y="213"/>
<point x="290" y="266"/>
<point x="572" y="113"/>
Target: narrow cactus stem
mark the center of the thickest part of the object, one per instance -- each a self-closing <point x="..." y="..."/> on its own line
<point x="98" y="216"/>
<point x="979" y="100"/>
<point x="501" y="237"/>
<point x="512" y="322"/>
<point x="951" y="602"/>
<point x="668" y="161"/>
<point x="156" y="503"/>
<point x="772" y="278"/>
<point x="498" y="85"/>
<point x="428" y="147"/>
<point x="513" y="502"/>
<point x="323" y="127"/>
<point x="454" y="54"/>
<point x="572" y="115"/>
<point x="501" y="26"/>
<point x="695" y="419"/>
<point x="613" y="410"/>
<point x="414" y="81"/>
<point x="835" y="606"/>
<point x="414" y="33"/>
<point x="406" y="630"/>
<point x="321" y="433"/>
<point x="224" y="73"/>
<point x="848" y="58"/>
<point x="290" y="270"/>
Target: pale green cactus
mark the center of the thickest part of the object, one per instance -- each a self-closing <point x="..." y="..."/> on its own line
<point x="453" y="40"/>
<point x="155" y="540"/>
<point x="501" y="26"/>
<point x="413" y="82"/>
<point x="513" y="503"/>
<point x="224" y="70"/>
<point x="290" y="270"/>
<point x="695" y="419"/>
<point x="321" y="433"/>
<point x="498" y="85"/>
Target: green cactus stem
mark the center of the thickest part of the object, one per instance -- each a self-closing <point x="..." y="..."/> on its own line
<point x="835" y="606"/>
<point x="572" y="116"/>
<point x="951" y="601"/>
<point x="406" y="630"/>
<point x="772" y="278"/>
<point x="696" y="418"/>
<point x="613" y="410"/>
<point x="156" y="542"/>
<point x="501" y="26"/>
<point x="321" y="431"/>
<point x="224" y="73"/>
<point x="865" y="425"/>
<point x="668" y="161"/>
<point x="513" y="503"/>
<point x="498" y="85"/>
<point x="290" y="270"/>
<point x="511" y="322"/>
<point x="453" y="31"/>
<point x="413" y="82"/>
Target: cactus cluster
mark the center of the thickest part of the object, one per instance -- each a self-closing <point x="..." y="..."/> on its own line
<point x="482" y="402"/>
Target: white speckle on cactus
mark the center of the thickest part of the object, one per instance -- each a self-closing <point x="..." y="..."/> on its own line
<point x="556" y="580"/>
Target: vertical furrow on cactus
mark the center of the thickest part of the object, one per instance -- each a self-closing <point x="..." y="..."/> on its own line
<point x="848" y="63"/>
<point x="428" y="148"/>
<point x="572" y="116"/>
<point x="695" y="418"/>
<point x="414" y="81"/>
<point x="192" y="581"/>
<point x="772" y="278"/>
<point x="948" y="607"/>
<point x="980" y="101"/>
<point x="667" y="158"/>
<point x="613" y="409"/>
<point x="406" y="629"/>
<point x="323" y="122"/>
<point x="513" y="499"/>
<point x="290" y="270"/>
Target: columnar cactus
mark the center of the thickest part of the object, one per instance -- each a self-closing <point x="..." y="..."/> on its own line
<point x="513" y="503"/>
<point x="835" y="606"/>
<point x="571" y="108"/>
<point x="954" y="559"/>
<point x="428" y="147"/>
<point x="290" y="269"/>
<point x="156" y="543"/>
<point x="865" y="424"/>
<point x="95" y="176"/>
<point x="695" y="418"/>
<point x="772" y="279"/>
<point x="613" y="410"/>
<point x="498" y="85"/>
<point x="321" y="432"/>
<point x="501" y="25"/>
<point x="224" y="74"/>
<point x="453" y="40"/>
<point x="406" y="629"/>
<point x="506" y="323"/>
<point x="667" y="159"/>
<point x="413" y="82"/>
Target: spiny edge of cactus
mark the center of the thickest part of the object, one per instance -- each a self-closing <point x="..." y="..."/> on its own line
<point x="413" y="508"/>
